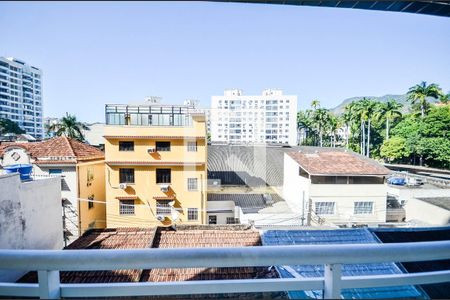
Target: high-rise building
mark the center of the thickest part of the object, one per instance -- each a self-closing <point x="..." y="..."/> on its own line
<point x="21" y="95"/>
<point x="155" y="164"/>
<point x="240" y="119"/>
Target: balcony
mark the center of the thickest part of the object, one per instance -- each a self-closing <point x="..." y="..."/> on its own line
<point x="49" y="263"/>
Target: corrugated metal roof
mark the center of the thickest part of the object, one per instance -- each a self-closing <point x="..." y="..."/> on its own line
<point x="344" y="236"/>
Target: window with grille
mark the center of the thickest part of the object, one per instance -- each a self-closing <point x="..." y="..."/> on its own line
<point x="212" y="220"/>
<point x="162" y="146"/>
<point x="163" y="207"/>
<point x="192" y="184"/>
<point x="126" y="175"/>
<point x="192" y="146"/>
<point x="126" y="207"/>
<point x="325" y="208"/>
<point x="126" y="146"/>
<point x="90" y="202"/>
<point x="163" y="176"/>
<point x="363" y="208"/>
<point x="192" y="214"/>
<point x="231" y="220"/>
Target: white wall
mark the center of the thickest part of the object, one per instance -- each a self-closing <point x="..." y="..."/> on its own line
<point x="15" y="155"/>
<point x="295" y="187"/>
<point x="418" y="210"/>
<point x="221" y="209"/>
<point x="30" y="215"/>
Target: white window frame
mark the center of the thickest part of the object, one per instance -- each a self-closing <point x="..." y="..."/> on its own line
<point x="192" y="184"/>
<point x="192" y="212"/>
<point x="126" y="207"/>
<point x="324" y="208"/>
<point x="192" y="146"/>
<point x="363" y="208"/>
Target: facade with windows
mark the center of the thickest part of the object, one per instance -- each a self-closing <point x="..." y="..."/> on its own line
<point x="155" y="165"/>
<point x="240" y="119"/>
<point x="21" y="95"/>
<point x="335" y="186"/>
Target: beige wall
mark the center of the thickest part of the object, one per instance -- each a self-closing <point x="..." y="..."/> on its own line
<point x="418" y="210"/>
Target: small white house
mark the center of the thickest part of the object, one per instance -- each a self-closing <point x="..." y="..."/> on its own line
<point x="334" y="185"/>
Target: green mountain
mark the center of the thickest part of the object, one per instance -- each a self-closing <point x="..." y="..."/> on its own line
<point x="399" y="98"/>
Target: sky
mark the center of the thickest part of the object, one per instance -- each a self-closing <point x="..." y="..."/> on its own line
<point x="120" y="52"/>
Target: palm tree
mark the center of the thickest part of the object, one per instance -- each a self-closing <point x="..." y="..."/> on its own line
<point x="390" y="111"/>
<point x="321" y="117"/>
<point x="333" y="124"/>
<point x="315" y="104"/>
<point x="419" y="93"/>
<point x="69" y="126"/>
<point x="346" y="118"/>
<point x="370" y="109"/>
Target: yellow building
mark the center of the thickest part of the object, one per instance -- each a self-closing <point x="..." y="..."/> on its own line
<point x="155" y="165"/>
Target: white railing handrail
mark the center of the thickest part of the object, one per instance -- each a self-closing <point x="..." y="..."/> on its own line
<point x="74" y="260"/>
<point x="49" y="263"/>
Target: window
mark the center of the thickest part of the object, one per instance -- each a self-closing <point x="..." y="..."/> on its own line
<point x="54" y="171"/>
<point x="363" y="208"/>
<point x="126" y="146"/>
<point x="91" y="203"/>
<point x="192" y="184"/>
<point x="162" y="146"/>
<point x="192" y="214"/>
<point x="212" y="220"/>
<point x="192" y="146"/>
<point x="231" y="220"/>
<point x="324" y="208"/>
<point x="126" y="207"/>
<point x="163" y="176"/>
<point x="163" y="207"/>
<point x="126" y="175"/>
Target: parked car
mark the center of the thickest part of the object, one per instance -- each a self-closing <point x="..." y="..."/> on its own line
<point x="415" y="181"/>
<point x="396" y="181"/>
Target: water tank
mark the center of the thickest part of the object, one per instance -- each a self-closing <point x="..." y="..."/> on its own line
<point x="23" y="170"/>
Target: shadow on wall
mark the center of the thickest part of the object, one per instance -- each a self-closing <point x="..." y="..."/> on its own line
<point x="236" y="178"/>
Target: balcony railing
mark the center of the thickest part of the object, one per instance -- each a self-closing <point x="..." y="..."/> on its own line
<point x="49" y="263"/>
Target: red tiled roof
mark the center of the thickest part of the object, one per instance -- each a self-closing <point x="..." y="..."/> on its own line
<point x="127" y="197"/>
<point x="334" y="161"/>
<point x="151" y="137"/>
<point x="64" y="147"/>
<point x="120" y="238"/>
<point x="204" y="236"/>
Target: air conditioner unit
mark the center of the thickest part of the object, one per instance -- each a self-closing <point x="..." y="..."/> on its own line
<point x="164" y="187"/>
<point x="123" y="186"/>
<point x="160" y="218"/>
<point x="151" y="150"/>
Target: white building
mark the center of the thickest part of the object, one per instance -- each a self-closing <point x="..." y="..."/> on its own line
<point x="335" y="186"/>
<point x="30" y="216"/>
<point x="266" y="118"/>
<point x="21" y="95"/>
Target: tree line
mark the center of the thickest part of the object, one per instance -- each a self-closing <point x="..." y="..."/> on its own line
<point x="380" y="130"/>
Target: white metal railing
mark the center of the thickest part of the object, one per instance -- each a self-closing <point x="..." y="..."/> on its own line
<point x="49" y="263"/>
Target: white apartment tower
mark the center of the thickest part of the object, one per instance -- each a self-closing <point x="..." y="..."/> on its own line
<point x="21" y="95"/>
<point x="240" y="119"/>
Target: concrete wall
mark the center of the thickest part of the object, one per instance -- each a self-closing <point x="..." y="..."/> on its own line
<point x="15" y="155"/>
<point x="418" y="210"/>
<point x="30" y="215"/>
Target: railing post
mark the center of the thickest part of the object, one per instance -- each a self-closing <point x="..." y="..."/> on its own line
<point x="49" y="284"/>
<point x="332" y="277"/>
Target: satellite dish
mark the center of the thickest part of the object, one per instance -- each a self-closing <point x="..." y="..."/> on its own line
<point x="174" y="214"/>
